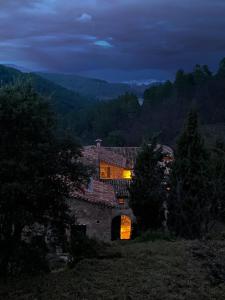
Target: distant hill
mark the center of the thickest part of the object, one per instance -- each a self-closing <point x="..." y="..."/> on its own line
<point x="19" y="68"/>
<point x="68" y="105"/>
<point x="62" y="99"/>
<point x="125" y="122"/>
<point x="94" y="88"/>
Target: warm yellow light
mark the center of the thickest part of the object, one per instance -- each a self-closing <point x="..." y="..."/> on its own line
<point x="125" y="229"/>
<point x="127" y="174"/>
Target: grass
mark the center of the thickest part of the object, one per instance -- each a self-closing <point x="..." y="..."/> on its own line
<point x="131" y="270"/>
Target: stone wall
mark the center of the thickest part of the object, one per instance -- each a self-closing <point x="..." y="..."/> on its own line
<point x="97" y="218"/>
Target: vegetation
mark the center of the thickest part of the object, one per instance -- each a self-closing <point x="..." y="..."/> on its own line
<point x="151" y="270"/>
<point x="36" y="165"/>
<point x="33" y="167"/>
<point x="191" y="203"/>
<point x="163" y="111"/>
<point x="196" y="185"/>
<point x="68" y="106"/>
<point x="92" y="88"/>
<point x="147" y="190"/>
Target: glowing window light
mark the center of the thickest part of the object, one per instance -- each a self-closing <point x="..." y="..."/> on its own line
<point x="125" y="228"/>
<point x="127" y="174"/>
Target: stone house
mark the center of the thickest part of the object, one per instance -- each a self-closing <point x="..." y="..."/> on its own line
<point x="102" y="211"/>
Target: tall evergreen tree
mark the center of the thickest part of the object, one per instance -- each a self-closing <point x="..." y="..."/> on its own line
<point x="32" y="165"/>
<point x="221" y="70"/>
<point x="217" y="170"/>
<point x="147" y="191"/>
<point x="190" y="204"/>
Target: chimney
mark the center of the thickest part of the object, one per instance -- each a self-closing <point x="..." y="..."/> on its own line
<point x="98" y="143"/>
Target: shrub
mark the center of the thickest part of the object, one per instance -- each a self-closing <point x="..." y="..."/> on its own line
<point x="153" y="236"/>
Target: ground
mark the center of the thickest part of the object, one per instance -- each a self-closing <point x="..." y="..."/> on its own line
<point x="134" y="270"/>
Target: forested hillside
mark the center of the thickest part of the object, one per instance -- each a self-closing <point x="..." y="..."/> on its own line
<point x="93" y="88"/>
<point x="62" y="99"/>
<point x="124" y="121"/>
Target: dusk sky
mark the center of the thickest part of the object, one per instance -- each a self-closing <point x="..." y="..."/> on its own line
<point x="116" y="40"/>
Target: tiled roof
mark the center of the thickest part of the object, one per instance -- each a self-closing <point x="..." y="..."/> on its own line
<point x="121" y="156"/>
<point x="93" y="154"/>
<point x="120" y="186"/>
<point x="99" y="193"/>
<point x="129" y="153"/>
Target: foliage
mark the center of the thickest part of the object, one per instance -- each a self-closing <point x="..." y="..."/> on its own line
<point x="217" y="172"/>
<point x="29" y="258"/>
<point x="153" y="236"/>
<point x="191" y="205"/>
<point x="33" y="165"/>
<point x="90" y="87"/>
<point x="82" y="247"/>
<point x="157" y="94"/>
<point x="105" y="117"/>
<point x="221" y="71"/>
<point x="164" y="109"/>
<point x="147" y="190"/>
<point x="159" y="270"/>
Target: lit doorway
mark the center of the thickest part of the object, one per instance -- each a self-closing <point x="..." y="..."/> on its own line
<point x="121" y="228"/>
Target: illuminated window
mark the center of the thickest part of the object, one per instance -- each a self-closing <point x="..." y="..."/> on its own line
<point x="105" y="172"/>
<point x="127" y="174"/>
<point x="108" y="171"/>
<point x="125" y="228"/>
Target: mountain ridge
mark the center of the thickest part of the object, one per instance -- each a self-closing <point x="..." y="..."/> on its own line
<point x="92" y="87"/>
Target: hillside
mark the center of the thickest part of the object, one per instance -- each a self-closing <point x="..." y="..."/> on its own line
<point x="64" y="100"/>
<point x="151" y="270"/>
<point x="68" y="105"/>
<point x="125" y="122"/>
<point x="94" y="88"/>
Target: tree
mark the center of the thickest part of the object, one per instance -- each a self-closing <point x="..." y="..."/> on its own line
<point x="191" y="201"/>
<point x="217" y="171"/>
<point x="201" y="74"/>
<point x="221" y="71"/>
<point x="33" y="167"/>
<point x="155" y="95"/>
<point x="147" y="191"/>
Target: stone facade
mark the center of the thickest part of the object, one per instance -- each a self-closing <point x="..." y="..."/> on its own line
<point x="96" y="218"/>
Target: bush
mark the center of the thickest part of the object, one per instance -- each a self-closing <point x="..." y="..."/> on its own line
<point x="83" y="247"/>
<point x="28" y="258"/>
<point x="152" y="236"/>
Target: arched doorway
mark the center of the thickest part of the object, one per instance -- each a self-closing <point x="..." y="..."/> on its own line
<point x="121" y="228"/>
<point x="125" y="228"/>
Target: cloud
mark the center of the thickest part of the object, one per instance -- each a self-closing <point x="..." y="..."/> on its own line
<point x="84" y="18"/>
<point x="73" y="36"/>
<point x="103" y="44"/>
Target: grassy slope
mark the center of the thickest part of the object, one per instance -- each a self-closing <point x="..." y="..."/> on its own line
<point x="150" y="270"/>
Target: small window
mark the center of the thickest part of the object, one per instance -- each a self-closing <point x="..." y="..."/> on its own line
<point x="105" y="172"/>
<point x="121" y="201"/>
